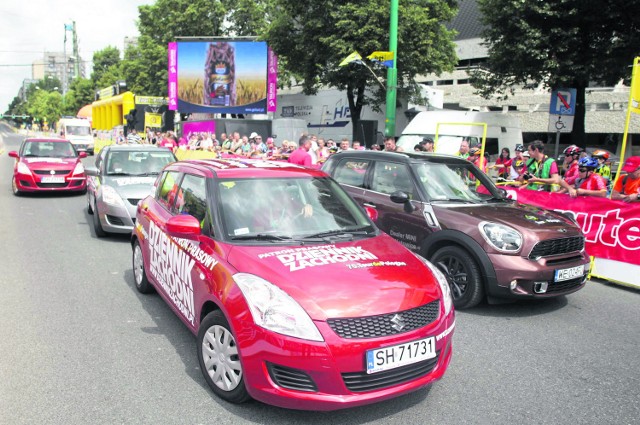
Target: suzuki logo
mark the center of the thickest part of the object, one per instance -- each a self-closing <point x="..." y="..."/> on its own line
<point x="398" y="323"/>
<point x="52" y="172"/>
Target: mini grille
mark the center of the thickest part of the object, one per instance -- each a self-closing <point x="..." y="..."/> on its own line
<point x="290" y="378"/>
<point x="359" y="382"/>
<point x="567" y="285"/>
<point x="557" y="247"/>
<point x="385" y="324"/>
<point x="48" y="172"/>
<point x="116" y="221"/>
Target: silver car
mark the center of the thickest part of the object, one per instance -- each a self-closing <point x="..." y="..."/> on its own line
<point x="123" y="175"/>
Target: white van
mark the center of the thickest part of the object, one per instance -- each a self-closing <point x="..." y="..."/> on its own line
<point x="78" y="132"/>
<point x="451" y="127"/>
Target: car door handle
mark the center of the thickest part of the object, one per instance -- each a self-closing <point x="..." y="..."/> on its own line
<point x="367" y="204"/>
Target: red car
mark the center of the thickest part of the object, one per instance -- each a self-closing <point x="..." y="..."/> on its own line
<point x="44" y="165"/>
<point x="295" y="296"/>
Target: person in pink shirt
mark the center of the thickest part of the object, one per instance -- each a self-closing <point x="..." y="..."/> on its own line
<point x="588" y="183"/>
<point x="301" y="155"/>
<point x="571" y="156"/>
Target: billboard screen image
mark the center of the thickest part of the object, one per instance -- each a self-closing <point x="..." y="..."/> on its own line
<point x="222" y="76"/>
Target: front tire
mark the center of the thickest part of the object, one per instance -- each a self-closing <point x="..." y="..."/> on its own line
<point x="219" y="359"/>
<point x="89" y="206"/>
<point x="97" y="226"/>
<point x="14" y="187"/>
<point x="463" y="275"/>
<point x="139" y="275"/>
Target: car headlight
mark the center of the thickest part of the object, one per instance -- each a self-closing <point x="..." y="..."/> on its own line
<point x="274" y="309"/>
<point x="447" y="298"/>
<point x="79" y="169"/>
<point x="502" y="238"/>
<point x="23" y="169"/>
<point x="110" y="196"/>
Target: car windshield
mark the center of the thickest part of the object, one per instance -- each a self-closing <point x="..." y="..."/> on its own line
<point x="283" y="208"/>
<point x="137" y="163"/>
<point x="43" y="149"/>
<point x="454" y="182"/>
<point x="76" y="130"/>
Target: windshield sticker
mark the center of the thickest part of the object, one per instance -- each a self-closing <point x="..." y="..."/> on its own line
<point x="204" y="259"/>
<point x="134" y="180"/>
<point x="171" y="267"/>
<point x="299" y="259"/>
<point x="42" y="159"/>
<point x="376" y="264"/>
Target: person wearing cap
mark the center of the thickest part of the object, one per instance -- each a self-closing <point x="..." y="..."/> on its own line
<point x="603" y="169"/>
<point x="518" y="163"/>
<point x="627" y="188"/>
<point x="259" y="145"/>
<point x="570" y="164"/>
<point x="427" y="143"/>
<point x="474" y="158"/>
<point x="588" y="183"/>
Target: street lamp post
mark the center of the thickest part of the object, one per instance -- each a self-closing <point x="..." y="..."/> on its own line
<point x="392" y="76"/>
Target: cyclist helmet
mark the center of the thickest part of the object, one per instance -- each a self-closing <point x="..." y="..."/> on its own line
<point x="588" y="162"/>
<point x="598" y="153"/>
<point x="572" y="150"/>
<point x="474" y="151"/>
<point x="519" y="148"/>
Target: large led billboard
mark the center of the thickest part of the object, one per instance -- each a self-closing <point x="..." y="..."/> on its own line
<point x="219" y="76"/>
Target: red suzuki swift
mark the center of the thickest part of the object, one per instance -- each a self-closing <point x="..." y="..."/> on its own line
<point x="295" y="296"/>
<point x="44" y="165"/>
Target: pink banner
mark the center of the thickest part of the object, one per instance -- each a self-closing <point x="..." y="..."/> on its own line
<point x="172" y="90"/>
<point x="198" y="127"/>
<point x="272" y="81"/>
<point x="611" y="228"/>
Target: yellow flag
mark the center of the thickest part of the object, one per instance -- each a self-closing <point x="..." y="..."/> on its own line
<point x="355" y="56"/>
<point x="635" y="87"/>
<point x="381" y="56"/>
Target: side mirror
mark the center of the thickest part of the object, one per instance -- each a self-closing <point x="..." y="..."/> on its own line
<point x="13" y="154"/>
<point x="82" y="154"/>
<point x="371" y="212"/>
<point x="91" y="171"/>
<point x="185" y="226"/>
<point x="400" y="197"/>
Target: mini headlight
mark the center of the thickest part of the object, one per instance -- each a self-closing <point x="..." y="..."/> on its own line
<point x="274" y="309"/>
<point x="502" y="238"/>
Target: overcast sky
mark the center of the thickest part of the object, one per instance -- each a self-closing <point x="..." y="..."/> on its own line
<point x="28" y="28"/>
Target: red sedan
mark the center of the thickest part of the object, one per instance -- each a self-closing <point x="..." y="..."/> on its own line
<point x="296" y="298"/>
<point x="44" y="165"/>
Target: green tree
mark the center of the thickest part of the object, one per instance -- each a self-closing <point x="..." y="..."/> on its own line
<point x="43" y="104"/>
<point x="559" y="43"/>
<point x="81" y="93"/>
<point x="312" y="38"/>
<point x="106" y="67"/>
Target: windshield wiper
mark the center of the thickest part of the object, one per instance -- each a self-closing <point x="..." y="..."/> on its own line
<point x="118" y="174"/>
<point x="149" y="173"/>
<point x="454" y="200"/>
<point x="260" y="237"/>
<point x="347" y="233"/>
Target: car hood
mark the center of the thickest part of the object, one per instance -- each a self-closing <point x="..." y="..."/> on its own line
<point x="524" y="218"/>
<point x="348" y="279"/>
<point x="135" y="187"/>
<point x="44" y="163"/>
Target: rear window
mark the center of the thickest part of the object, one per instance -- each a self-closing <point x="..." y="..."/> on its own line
<point x="351" y="172"/>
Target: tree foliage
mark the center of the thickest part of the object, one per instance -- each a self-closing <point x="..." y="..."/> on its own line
<point x="312" y="38"/>
<point x="81" y="92"/>
<point x="559" y="43"/>
<point x="106" y="67"/>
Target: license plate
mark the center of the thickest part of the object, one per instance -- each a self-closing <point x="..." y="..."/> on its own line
<point x="568" y="274"/>
<point x="400" y="355"/>
<point x="52" y="179"/>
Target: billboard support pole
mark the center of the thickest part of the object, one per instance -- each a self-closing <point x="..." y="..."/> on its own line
<point x="392" y="76"/>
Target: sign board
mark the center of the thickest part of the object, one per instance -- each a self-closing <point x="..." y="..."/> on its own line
<point x="563" y="102"/>
<point x="560" y="123"/>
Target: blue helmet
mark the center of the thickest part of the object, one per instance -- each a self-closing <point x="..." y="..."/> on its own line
<point x="588" y="162"/>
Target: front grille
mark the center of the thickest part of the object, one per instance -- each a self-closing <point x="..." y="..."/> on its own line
<point x="48" y="172"/>
<point x="567" y="285"/>
<point x="290" y="378"/>
<point x="133" y="201"/>
<point x="385" y="324"/>
<point x="116" y="221"/>
<point x="52" y="185"/>
<point x="557" y="247"/>
<point x="359" y="382"/>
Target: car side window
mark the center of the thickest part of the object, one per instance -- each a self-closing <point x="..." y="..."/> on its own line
<point x="389" y="177"/>
<point x="192" y="197"/>
<point x="351" y="172"/>
<point x="168" y="189"/>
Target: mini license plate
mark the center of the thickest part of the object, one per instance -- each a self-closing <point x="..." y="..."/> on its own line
<point x="52" y="179"/>
<point x="568" y="274"/>
<point x="400" y="355"/>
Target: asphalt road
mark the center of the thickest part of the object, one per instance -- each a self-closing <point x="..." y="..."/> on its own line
<point x="79" y="345"/>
